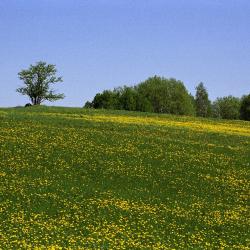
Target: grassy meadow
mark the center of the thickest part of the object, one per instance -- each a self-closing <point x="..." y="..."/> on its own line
<point x="74" y="178"/>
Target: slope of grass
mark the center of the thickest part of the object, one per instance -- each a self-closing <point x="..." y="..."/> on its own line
<point x="96" y="179"/>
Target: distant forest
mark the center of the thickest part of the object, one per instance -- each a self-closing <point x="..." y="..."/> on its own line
<point x="170" y="96"/>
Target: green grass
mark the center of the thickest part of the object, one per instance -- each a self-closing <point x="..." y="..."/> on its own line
<point x="97" y="179"/>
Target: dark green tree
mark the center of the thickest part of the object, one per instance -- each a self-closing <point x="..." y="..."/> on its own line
<point x="98" y="101"/>
<point x="37" y="83"/>
<point x="202" y="103"/>
<point x="227" y="107"/>
<point x="88" y="105"/>
<point x="106" y="100"/>
<point x="245" y="108"/>
<point x="143" y="104"/>
<point x="128" y="98"/>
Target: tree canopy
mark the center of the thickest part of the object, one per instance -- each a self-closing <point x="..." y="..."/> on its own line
<point x="37" y="81"/>
<point x="166" y="95"/>
<point x="202" y="103"/>
<point x="163" y="95"/>
<point x="227" y="107"/>
<point x="156" y="94"/>
<point x="245" y="108"/>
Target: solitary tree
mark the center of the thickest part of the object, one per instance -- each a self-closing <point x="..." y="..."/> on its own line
<point x="37" y="80"/>
<point x="245" y="108"/>
<point x="202" y="103"/>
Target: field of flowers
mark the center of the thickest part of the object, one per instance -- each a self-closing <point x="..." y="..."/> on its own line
<point x="85" y="179"/>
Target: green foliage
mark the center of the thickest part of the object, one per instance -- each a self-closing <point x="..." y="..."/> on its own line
<point x="107" y="100"/>
<point x="202" y="103"/>
<point x="143" y="104"/>
<point x="227" y="107"/>
<point x="88" y="105"/>
<point x="166" y="95"/>
<point x="245" y="108"/>
<point x="128" y="98"/>
<point x="37" y="80"/>
<point x="156" y="94"/>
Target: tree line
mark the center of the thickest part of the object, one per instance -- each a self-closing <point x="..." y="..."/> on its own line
<point x="162" y="95"/>
<point x="156" y="94"/>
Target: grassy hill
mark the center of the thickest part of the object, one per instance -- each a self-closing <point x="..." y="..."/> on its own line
<point x="96" y="179"/>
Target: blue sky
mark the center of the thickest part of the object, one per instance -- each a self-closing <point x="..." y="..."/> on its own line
<point x="102" y="44"/>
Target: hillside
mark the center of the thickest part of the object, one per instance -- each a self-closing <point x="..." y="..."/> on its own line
<point x="97" y="179"/>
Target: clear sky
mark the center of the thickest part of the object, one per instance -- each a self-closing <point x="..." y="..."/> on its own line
<point x="102" y="44"/>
